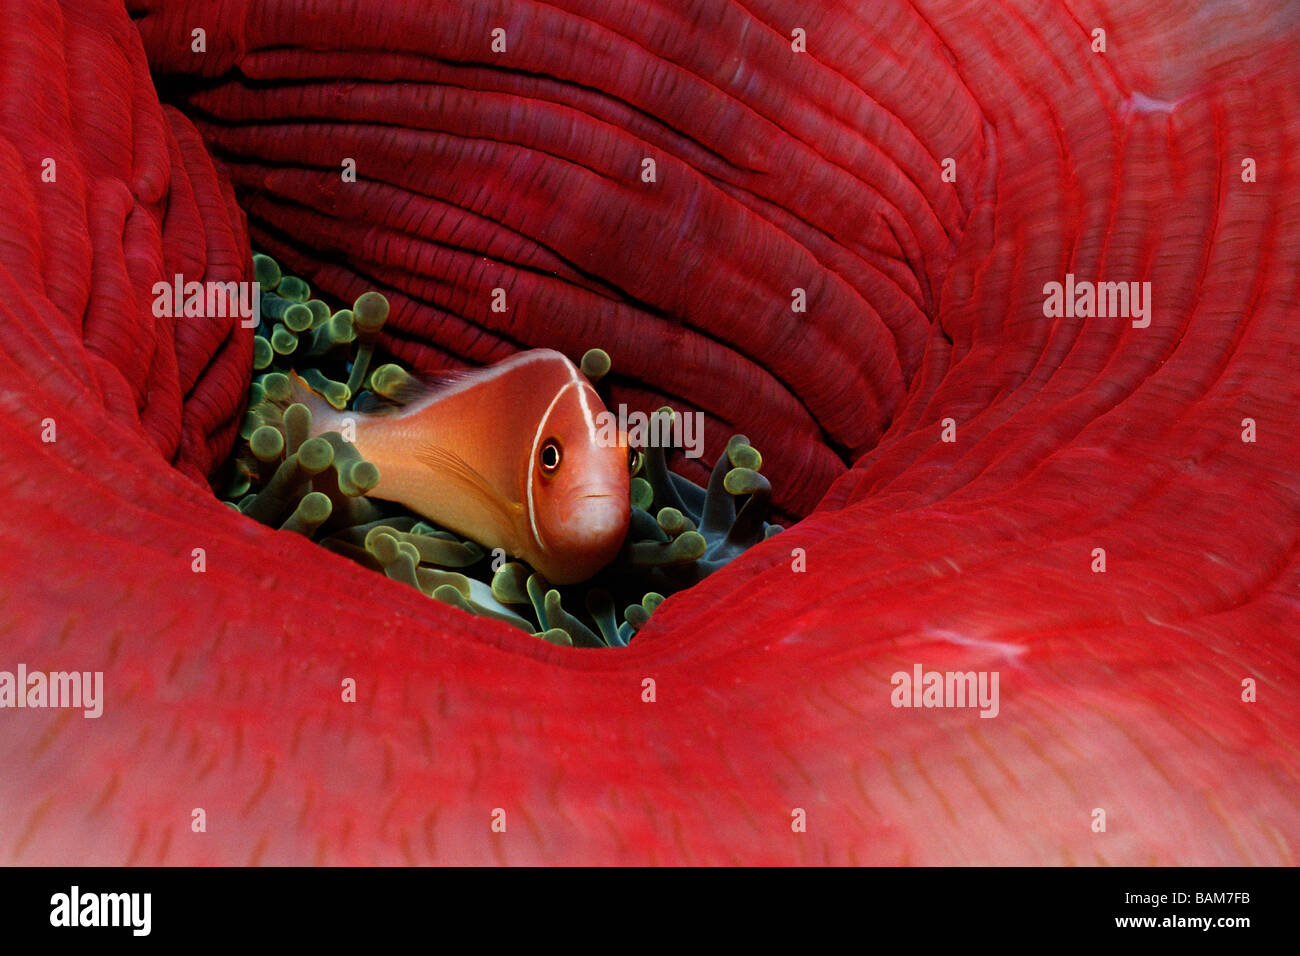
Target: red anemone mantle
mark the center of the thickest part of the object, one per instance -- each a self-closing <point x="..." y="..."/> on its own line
<point x="1119" y="690"/>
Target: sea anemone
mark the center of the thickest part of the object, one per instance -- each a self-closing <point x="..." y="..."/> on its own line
<point x="317" y="486"/>
<point x="839" y="250"/>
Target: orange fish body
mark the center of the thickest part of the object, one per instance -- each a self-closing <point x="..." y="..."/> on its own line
<point x="507" y="455"/>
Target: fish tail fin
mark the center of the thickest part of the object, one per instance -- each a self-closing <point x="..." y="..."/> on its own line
<point x="293" y="390"/>
<point x="324" y="416"/>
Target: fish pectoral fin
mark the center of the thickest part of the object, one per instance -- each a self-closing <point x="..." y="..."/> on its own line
<point x="513" y="519"/>
<point x="447" y="462"/>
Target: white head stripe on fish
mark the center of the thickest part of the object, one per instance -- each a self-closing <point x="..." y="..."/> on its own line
<point x="537" y="439"/>
<point x="582" y="397"/>
<point x="532" y="457"/>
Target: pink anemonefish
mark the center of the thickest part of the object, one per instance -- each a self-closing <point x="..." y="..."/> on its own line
<point x="508" y="455"/>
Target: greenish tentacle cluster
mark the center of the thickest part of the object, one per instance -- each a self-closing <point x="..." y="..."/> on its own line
<point x="679" y="532"/>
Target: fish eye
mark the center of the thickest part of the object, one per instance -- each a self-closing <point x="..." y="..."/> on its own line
<point x="550" y="456"/>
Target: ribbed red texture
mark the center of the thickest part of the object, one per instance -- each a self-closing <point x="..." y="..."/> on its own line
<point x="1119" y="691"/>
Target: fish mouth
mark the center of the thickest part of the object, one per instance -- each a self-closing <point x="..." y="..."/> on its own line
<point x="581" y="492"/>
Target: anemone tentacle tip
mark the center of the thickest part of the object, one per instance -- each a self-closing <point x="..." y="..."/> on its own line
<point x="595" y="364"/>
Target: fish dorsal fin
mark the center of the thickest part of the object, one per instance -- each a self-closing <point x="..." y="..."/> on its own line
<point x="371" y="404"/>
<point x="415" y="391"/>
<point x="407" y="395"/>
<point x="411" y="389"/>
<point x="446" y="461"/>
